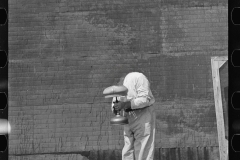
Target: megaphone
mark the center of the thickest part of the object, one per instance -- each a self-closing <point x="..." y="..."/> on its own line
<point x="116" y="91"/>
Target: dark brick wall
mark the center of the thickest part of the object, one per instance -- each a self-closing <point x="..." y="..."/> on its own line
<point x="62" y="54"/>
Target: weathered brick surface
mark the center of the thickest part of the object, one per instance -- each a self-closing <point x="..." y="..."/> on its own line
<point x="184" y="153"/>
<point x="50" y="157"/>
<point x="62" y="54"/>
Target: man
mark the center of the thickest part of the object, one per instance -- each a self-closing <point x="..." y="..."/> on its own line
<point x="139" y="134"/>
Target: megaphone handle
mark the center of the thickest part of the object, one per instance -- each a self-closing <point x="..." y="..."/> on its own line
<point x="117" y="100"/>
<point x="118" y="112"/>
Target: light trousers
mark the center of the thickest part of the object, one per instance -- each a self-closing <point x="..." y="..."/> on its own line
<point x="139" y="135"/>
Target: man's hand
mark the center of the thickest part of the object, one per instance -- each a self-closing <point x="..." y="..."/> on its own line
<point x="122" y="105"/>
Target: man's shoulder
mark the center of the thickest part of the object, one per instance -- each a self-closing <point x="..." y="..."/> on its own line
<point x="135" y="74"/>
<point x="133" y="77"/>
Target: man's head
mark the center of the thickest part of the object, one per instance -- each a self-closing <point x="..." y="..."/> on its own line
<point x="120" y="82"/>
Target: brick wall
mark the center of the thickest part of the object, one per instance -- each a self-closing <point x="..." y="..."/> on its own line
<point x="62" y="54"/>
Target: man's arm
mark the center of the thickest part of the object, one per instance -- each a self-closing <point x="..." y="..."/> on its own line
<point x="144" y="97"/>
